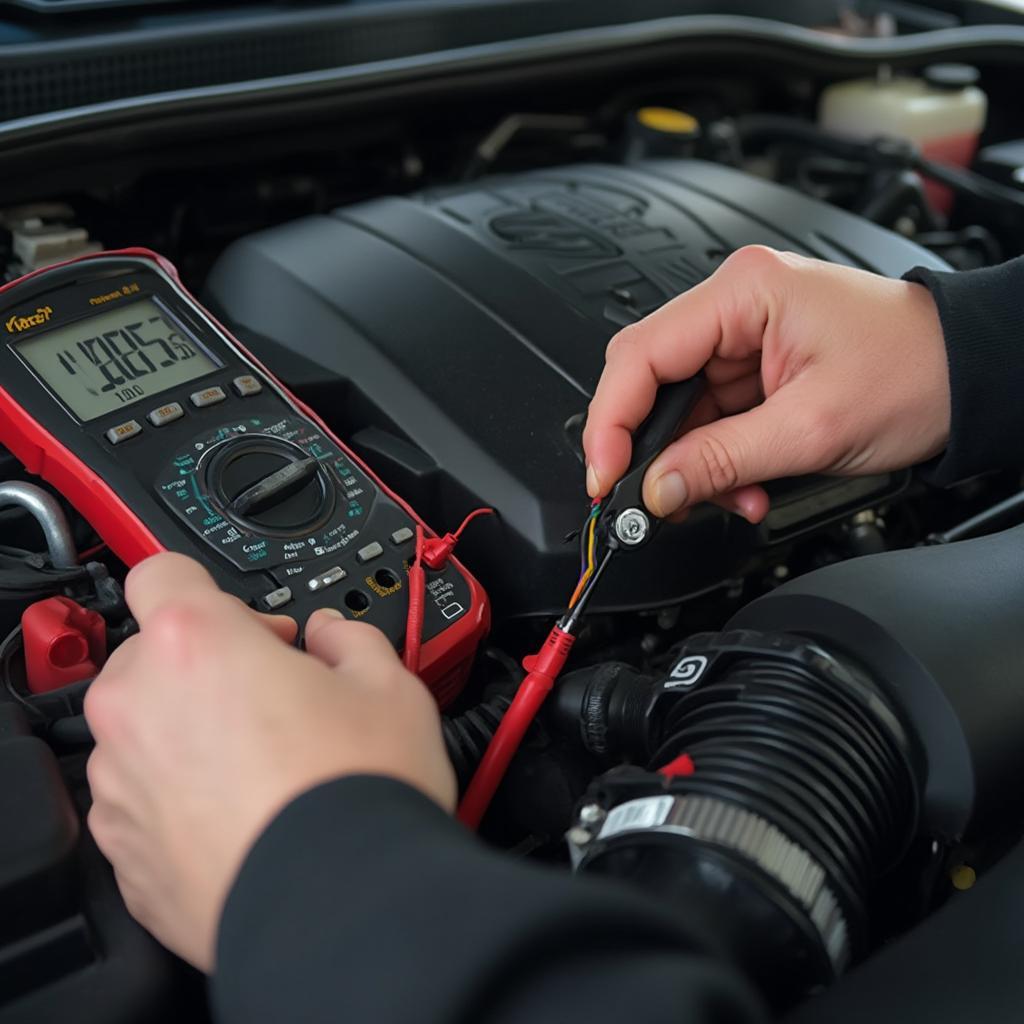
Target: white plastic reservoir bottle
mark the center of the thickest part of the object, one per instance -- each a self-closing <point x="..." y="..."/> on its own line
<point x="942" y="113"/>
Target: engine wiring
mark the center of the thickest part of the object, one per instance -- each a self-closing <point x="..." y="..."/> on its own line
<point x="9" y="648"/>
<point x="25" y="575"/>
<point x="91" y="552"/>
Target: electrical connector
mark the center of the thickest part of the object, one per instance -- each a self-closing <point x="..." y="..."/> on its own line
<point x="437" y="550"/>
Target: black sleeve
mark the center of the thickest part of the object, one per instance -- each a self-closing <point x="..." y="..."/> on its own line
<point x="982" y="315"/>
<point x="364" y="902"/>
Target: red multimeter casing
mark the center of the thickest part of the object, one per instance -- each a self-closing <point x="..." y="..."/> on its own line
<point x="159" y="427"/>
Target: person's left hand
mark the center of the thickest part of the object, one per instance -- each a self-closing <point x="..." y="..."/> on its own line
<point x="207" y="723"/>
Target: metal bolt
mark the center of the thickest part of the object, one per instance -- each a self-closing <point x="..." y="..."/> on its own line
<point x="591" y="814"/>
<point x="578" y="836"/>
<point x="632" y="527"/>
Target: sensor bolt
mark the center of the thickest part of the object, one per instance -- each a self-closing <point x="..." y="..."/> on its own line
<point x="632" y="527"/>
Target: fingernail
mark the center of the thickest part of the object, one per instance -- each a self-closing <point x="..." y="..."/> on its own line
<point x="593" y="482"/>
<point x="332" y="613"/>
<point x="669" y="492"/>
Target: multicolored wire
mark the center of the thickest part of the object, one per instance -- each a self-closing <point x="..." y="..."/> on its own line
<point x="588" y="552"/>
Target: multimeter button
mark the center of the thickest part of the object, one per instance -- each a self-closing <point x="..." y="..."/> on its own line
<point x="166" y="414"/>
<point x="335" y="575"/>
<point x="115" y="435"/>
<point x="246" y="386"/>
<point x="401" y="536"/>
<point x="277" y="598"/>
<point x="208" y="396"/>
<point x="370" y="552"/>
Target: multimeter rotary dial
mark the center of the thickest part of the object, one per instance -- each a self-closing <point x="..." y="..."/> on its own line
<point x="268" y="485"/>
<point x="268" y="492"/>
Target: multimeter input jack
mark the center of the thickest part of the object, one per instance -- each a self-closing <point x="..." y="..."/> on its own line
<point x="386" y="579"/>
<point x="357" y="601"/>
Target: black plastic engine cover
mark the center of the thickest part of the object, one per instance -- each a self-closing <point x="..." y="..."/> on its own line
<point x="449" y="337"/>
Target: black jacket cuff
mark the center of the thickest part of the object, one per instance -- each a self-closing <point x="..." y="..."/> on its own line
<point x="982" y="315"/>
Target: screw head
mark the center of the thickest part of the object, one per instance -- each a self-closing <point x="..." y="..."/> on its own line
<point x="590" y="814"/>
<point x="632" y="527"/>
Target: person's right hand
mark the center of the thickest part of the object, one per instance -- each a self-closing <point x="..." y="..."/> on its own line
<point x="811" y="367"/>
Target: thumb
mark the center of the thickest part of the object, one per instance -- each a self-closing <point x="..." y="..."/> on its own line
<point x="764" y="443"/>
<point x="284" y="627"/>
<point x="343" y="644"/>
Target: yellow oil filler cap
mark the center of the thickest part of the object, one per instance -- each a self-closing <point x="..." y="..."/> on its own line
<point x="668" y="120"/>
<point x="660" y="131"/>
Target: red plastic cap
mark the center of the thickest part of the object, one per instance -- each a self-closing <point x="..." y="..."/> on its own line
<point x="682" y="765"/>
<point x="64" y="643"/>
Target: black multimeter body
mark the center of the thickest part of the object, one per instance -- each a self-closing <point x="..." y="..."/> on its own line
<point x="156" y="424"/>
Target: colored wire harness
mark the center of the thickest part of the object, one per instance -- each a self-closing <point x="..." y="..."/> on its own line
<point x="588" y="545"/>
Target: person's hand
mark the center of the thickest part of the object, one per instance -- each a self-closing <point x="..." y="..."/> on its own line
<point x="811" y="367"/>
<point x="207" y="723"/>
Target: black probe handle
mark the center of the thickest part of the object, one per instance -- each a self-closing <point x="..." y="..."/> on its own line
<point x="672" y="407"/>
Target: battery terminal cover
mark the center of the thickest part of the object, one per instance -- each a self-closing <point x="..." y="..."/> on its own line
<point x="64" y="643"/>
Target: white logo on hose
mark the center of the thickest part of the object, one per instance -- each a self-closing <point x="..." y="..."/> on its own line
<point x="686" y="672"/>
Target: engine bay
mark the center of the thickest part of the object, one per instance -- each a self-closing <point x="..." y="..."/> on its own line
<point x="777" y="727"/>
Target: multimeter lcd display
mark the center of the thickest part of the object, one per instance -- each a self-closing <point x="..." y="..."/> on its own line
<point x="115" y="359"/>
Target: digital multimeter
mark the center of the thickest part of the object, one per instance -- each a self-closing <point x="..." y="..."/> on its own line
<point x="119" y="389"/>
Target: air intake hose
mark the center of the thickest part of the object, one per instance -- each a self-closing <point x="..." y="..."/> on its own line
<point x="791" y="759"/>
<point x="778" y="789"/>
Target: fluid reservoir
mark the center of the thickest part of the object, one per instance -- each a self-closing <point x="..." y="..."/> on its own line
<point x="942" y="113"/>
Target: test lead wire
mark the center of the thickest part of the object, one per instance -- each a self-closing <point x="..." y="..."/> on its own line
<point x="542" y="669"/>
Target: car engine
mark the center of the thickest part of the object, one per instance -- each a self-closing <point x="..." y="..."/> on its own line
<point x="805" y="732"/>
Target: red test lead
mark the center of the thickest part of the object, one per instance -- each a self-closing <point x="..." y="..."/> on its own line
<point x="542" y="669"/>
<point x="414" y="619"/>
<point x="619" y="522"/>
<point x="432" y="552"/>
<point x="437" y="550"/>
